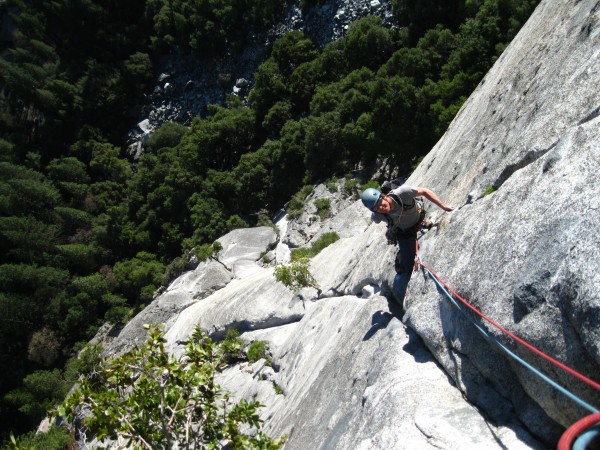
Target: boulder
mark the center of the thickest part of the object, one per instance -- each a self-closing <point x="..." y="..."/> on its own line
<point x="244" y="247"/>
<point x="252" y="303"/>
<point x="238" y="258"/>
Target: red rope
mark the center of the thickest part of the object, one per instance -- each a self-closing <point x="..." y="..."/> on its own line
<point x="566" y="440"/>
<point x="527" y="345"/>
<point x="570" y="435"/>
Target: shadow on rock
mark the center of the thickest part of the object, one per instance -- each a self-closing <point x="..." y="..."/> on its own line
<point x="379" y="321"/>
<point x="416" y="347"/>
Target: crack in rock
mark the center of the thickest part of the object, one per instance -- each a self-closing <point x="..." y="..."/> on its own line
<point x="591" y="116"/>
<point x="527" y="159"/>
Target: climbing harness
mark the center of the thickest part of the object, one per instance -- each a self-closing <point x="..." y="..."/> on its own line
<point x="580" y="434"/>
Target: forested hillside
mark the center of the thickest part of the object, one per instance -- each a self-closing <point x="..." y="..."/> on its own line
<point x="87" y="236"/>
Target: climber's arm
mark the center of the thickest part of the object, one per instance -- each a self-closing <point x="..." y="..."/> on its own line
<point x="430" y="195"/>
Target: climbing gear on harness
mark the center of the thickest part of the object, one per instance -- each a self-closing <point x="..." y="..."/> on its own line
<point x="393" y="233"/>
<point x="370" y="197"/>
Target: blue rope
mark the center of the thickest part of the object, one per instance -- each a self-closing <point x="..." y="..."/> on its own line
<point x="584" y="439"/>
<point x="510" y="353"/>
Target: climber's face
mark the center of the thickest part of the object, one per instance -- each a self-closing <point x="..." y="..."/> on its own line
<point x="384" y="205"/>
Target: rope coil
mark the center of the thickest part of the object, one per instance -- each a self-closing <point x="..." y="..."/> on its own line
<point x="577" y="435"/>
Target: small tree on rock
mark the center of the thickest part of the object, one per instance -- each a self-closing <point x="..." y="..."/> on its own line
<point x="150" y="400"/>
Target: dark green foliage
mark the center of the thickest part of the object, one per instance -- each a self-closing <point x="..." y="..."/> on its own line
<point x="323" y="146"/>
<point x="26" y="239"/>
<point x="137" y="70"/>
<point x="75" y="74"/>
<point x="7" y="151"/>
<point x="209" y="27"/>
<point x="37" y="282"/>
<point x="25" y="191"/>
<point x="276" y="117"/>
<point x="232" y="346"/>
<point x="168" y="135"/>
<point x="323" y="206"/>
<point x="257" y="350"/>
<point x="68" y="169"/>
<point x="426" y="14"/>
<point x="218" y="141"/>
<point x="135" y="274"/>
<point x="40" y="391"/>
<point x="208" y="219"/>
<point x="270" y="88"/>
<point x="288" y="156"/>
<point x="57" y="438"/>
<point x="368" y="43"/>
<point x="292" y="50"/>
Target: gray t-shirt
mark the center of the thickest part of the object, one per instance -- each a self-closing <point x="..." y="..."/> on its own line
<point x="402" y="217"/>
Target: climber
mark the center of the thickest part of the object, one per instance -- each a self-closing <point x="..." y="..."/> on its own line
<point x="403" y="212"/>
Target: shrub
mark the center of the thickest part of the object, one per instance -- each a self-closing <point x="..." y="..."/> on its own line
<point x="296" y="204"/>
<point x="175" y="268"/>
<point x="85" y="363"/>
<point x="207" y="251"/>
<point x="324" y="241"/>
<point x="370" y="184"/>
<point x="265" y="221"/>
<point x="40" y="391"/>
<point x="118" y="314"/>
<point x="118" y="311"/>
<point x="489" y="190"/>
<point x="350" y="184"/>
<point x="257" y="350"/>
<point x="331" y="184"/>
<point x="295" y="275"/>
<point x="152" y="400"/>
<point x="323" y="206"/>
<point x="168" y="135"/>
<point x="140" y="276"/>
<point x="232" y="346"/>
<point x="308" y="252"/>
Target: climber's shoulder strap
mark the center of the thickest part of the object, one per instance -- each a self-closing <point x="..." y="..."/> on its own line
<point x="418" y="201"/>
<point x="402" y="204"/>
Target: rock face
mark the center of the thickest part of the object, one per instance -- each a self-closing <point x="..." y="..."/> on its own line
<point x="351" y="370"/>
<point x="526" y="254"/>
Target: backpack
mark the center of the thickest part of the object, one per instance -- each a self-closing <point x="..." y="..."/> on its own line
<point x="389" y="185"/>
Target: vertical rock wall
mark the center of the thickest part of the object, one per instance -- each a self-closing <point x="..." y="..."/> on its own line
<point x="526" y="254"/>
